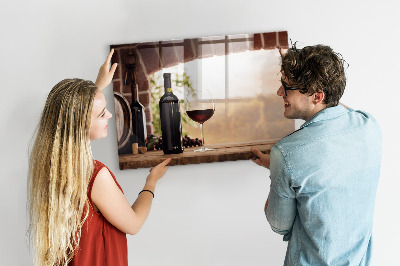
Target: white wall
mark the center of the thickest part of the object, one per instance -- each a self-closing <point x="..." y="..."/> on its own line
<point x="209" y="214"/>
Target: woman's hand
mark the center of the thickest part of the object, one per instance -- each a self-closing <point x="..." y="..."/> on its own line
<point x="106" y="74"/>
<point x="263" y="159"/>
<point x="157" y="172"/>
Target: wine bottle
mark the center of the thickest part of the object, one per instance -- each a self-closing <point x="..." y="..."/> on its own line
<point x="170" y="116"/>
<point x="139" y="131"/>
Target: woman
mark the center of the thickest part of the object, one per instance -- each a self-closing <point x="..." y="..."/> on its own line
<point x="78" y="212"/>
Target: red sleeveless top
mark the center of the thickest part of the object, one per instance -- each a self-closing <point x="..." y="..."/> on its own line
<point x="101" y="243"/>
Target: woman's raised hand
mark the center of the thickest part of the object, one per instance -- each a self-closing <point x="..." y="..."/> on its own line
<point x="106" y="74"/>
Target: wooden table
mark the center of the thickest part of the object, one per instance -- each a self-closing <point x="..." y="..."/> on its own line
<point x="220" y="153"/>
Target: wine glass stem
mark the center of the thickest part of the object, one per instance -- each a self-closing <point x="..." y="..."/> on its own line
<point x="203" y="148"/>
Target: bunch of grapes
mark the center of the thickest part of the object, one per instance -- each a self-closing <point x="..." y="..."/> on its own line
<point x="154" y="143"/>
<point x="188" y="142"/>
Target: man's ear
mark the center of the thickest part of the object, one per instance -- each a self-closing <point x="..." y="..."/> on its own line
<point x="318" y="97"/>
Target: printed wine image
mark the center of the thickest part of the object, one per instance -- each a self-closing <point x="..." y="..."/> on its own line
<point x="138" y="119"/>
<point x="200" y="116"/>
<point x="200" y="107"/>
<point x="170" y="116"/>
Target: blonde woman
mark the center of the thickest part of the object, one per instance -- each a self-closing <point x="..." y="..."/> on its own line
<point x="78" y="212"/>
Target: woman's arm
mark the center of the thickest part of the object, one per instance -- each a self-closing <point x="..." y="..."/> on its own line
<point x="114" y="206"/>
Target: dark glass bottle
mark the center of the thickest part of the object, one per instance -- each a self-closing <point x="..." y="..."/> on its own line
<point x="139" y="131"/>
<point x="170" y="116"/>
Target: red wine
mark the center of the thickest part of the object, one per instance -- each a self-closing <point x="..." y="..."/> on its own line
<point x="170" y="116"/>
<point x="200" y="116"/>
<point x="139" y="131"/>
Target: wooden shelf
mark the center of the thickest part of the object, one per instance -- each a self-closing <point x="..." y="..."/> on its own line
<point x="220" y="153"/>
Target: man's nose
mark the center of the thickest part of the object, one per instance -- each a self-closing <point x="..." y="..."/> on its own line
<point x="280" y="91"/>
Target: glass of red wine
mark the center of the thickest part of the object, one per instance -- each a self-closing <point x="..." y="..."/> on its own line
<point x="200" y="107"/>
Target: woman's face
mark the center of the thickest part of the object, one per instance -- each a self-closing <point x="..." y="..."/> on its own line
<point x="100" y="116"/>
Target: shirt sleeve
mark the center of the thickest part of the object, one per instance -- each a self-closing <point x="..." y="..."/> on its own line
<point x="281" y="210"/>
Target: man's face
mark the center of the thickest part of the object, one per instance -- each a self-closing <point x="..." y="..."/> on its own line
<point x="297" y="104"/>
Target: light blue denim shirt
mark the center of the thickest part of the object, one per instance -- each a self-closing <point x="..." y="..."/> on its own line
<point x="323" y="183"/>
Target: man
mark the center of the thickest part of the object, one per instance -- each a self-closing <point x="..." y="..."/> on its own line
<point x="325" y="174"/>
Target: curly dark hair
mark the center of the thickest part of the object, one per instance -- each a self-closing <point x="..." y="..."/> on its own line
<point x="316" y="69"/>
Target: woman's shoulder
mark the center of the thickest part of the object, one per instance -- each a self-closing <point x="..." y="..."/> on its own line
<point x="97" y="167"/>
<point x="98" y="164"/>
<point x="102" y="170"/>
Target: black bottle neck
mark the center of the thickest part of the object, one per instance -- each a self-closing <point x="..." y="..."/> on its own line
<point x="167" y="82"/>
<point x="135" y="92"/>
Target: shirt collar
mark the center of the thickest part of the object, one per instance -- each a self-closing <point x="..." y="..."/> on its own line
<point x="325" y="114"/>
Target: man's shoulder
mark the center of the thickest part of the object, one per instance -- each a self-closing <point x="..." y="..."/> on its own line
<point x="365" y="116"/>
<point x="320" y="130"/>
<point x="359" y="120"/>
<point x="293" y="141"/>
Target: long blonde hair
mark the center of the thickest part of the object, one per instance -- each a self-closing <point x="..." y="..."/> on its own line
<point x="60" y="168"/>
